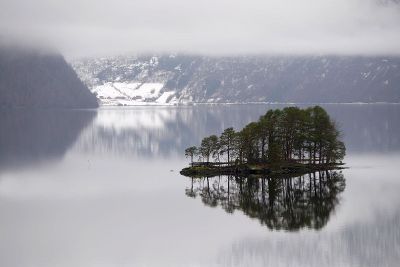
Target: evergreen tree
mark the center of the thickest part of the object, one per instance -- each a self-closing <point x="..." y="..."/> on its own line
<point x="227" y="142"/>
<point x="191" y="152"/>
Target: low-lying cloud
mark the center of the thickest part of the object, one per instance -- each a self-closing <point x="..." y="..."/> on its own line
<point x="89" y="27"/>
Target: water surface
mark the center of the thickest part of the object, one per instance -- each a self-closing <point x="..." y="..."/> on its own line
<point x="102" y="188"/>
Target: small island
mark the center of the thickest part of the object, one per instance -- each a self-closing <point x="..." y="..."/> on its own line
<point x="288" y="141"/>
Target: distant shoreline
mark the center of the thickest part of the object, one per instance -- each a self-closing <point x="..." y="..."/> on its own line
<point x="152" y="104"/>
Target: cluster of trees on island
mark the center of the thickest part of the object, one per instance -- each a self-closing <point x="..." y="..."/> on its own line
<point x="289" y="135"/>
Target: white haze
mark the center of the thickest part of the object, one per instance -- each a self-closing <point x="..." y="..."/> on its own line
<point x="92" y="27"/>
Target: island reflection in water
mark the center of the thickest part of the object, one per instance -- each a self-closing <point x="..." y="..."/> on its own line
<point x="280" y="203"/>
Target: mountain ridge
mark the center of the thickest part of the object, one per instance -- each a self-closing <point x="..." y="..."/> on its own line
<point x="201" y="79"/>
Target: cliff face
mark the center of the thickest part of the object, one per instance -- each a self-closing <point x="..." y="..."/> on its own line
<point x="302" y="79"/>
<point x="29" y="78"/>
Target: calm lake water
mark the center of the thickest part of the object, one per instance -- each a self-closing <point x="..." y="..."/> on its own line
<point x="102" y="188"/>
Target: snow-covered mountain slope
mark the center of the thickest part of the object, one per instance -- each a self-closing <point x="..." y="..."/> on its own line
<point x="171" y="79"/>
<point x="127" y="80"/>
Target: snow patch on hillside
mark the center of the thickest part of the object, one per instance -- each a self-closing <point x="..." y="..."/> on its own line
<point x="106" y="91"/>
<point x="132" y="93"/>
<point x="149" y="90"/>
<point x="127" y="89"/>
<point x="163" y="99"/>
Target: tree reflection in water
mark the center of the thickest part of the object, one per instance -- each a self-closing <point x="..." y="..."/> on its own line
<point x="280" y="203"/>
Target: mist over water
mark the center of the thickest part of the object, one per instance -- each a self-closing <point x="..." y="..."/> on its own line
<point x="102" y="188"/>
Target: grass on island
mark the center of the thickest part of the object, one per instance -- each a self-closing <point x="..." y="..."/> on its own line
<point x="202" y="169"/>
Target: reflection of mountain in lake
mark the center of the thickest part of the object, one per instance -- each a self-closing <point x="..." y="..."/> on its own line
<point x="279" y="203"/>
<point x="31" y="136"/>
<point x="151" y="131"/>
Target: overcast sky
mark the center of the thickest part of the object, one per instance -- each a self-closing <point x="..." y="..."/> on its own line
<point x="102" y="27"/>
